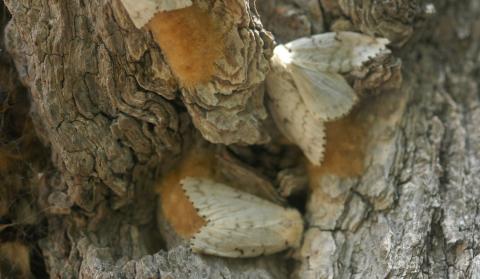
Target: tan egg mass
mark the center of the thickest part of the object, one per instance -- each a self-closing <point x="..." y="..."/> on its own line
<point x="191" y="40"/>
<point x="176" y="207"/>
<point x="345" y="149"/>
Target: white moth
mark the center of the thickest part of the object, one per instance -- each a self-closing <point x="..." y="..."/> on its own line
<point x="141" y="11"/>
<point x="239" y="224"/>
<point x="306" y="88"/>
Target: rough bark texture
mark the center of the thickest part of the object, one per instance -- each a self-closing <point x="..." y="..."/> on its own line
<point x="229" y="108"/>
<point x="103" y="100"/>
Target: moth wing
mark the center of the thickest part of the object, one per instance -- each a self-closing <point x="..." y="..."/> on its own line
<point x="141" y="11"/>
<point x="336" y="51"/>
<point x="239" y="224"/>
<point x="326" y="95"/>
<point x="223" y="241"/>
<point x="292" y="117"/>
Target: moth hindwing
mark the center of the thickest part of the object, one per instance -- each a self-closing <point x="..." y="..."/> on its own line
<point x="240" y="224"/>
<point x="141" y="11"/>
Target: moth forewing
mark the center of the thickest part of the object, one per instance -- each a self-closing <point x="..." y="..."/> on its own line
<point x="336" y="51"/>
<point x="316" y="64"/>
<point x="293" y="118"/>
<point x="327" y="95"/>
<point x="141" y="11"/>
<point x="240" y="224"/>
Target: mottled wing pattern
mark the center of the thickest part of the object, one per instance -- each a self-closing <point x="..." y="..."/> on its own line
<point x="293" y="118"/>
<point x="339" y="52"/>
<point x="141" y="11"/>
<point x="239" y="224"/>
<point x="327" y="95"/>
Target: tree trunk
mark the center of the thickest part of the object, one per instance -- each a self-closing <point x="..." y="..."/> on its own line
<point x="395" y="197"/>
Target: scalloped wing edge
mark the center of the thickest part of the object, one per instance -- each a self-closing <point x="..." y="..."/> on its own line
<point x="293" y="118"/>
<point x="334" y="51"/>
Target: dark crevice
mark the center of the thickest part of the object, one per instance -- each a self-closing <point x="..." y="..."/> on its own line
<point x="435" y="262"/>
<point x="299" y="200"/>
<point x="22" y="157"/>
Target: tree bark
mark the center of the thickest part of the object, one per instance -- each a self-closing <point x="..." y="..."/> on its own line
<point x="104" y="101"/>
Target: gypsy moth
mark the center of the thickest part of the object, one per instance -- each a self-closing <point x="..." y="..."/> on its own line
<point x="239" y="224"/>
<point x="306" y="88"/>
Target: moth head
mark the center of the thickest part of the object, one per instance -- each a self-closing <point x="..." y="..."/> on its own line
<point x="282" y="55"/>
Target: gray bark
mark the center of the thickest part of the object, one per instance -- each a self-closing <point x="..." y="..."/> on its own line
<point x="103" y="101"/>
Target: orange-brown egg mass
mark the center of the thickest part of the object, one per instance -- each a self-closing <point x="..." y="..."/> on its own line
<point x="345" y="149"/>
<point x="176" y="208"/>
<point x="191" y="40"/>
